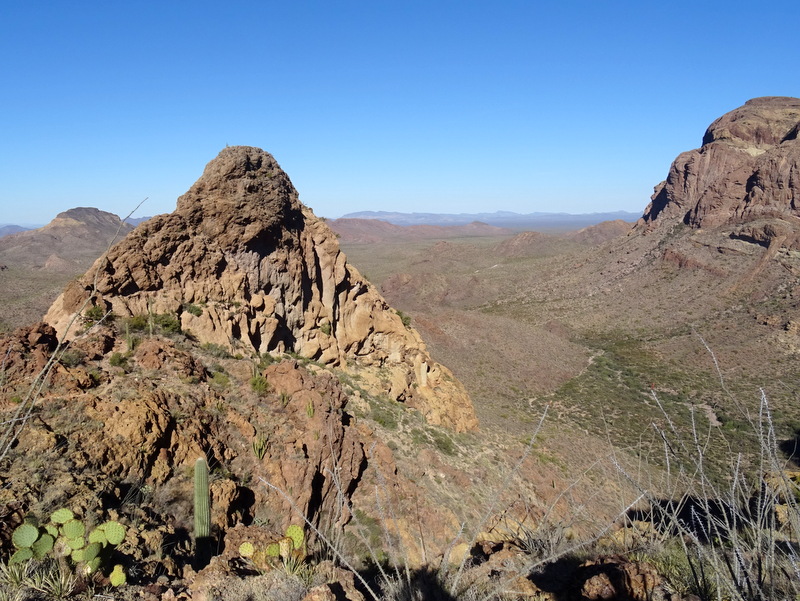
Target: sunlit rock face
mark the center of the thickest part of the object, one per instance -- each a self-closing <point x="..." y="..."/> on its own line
<point x="747" y="170"/>
<point x="245" y="265"/>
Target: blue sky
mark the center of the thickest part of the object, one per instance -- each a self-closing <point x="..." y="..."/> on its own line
<point x="449" y="106"/>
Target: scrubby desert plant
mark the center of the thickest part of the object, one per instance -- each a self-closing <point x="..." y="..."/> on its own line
<point x="738" y="539"/>
<point x="259" y="385"/>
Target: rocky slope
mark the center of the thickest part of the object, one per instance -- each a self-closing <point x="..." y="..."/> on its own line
<point x="374" y="230"/>
<point x="232" y="329"/>
<point x="71" y="241"/>
<point x="747" y="169"/>
<point x="36" y="264"/>
<point x="244" y="265"/>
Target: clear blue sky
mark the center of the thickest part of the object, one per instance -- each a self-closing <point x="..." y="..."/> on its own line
<point x="448" y="106"/>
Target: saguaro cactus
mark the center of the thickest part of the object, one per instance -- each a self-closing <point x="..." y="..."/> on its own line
<point x="202" y="514"/>
<point x="202" y="503"/>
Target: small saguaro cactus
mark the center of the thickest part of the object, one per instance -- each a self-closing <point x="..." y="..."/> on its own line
<point x="202" y="504"/>
<point x="202" y="514"/>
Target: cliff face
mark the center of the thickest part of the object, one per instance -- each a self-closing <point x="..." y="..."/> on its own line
<point x="243" y="264"/>
<point x="747" y="169"/>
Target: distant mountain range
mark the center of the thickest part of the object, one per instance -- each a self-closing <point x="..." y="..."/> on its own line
<point x="506" y="219"/>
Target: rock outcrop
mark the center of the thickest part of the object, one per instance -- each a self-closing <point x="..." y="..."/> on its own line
<point x="747" y="169"/>
<point x="244" y="265"/>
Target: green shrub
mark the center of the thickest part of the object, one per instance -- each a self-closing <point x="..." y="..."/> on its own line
<point x="406" y="319"/>
<point x="137" y="323"/>
<point x="72" y="357"/>
<point x="118" y="360"/>
<point x="96" y="313"/>
<point x="220" y="380"/>
<point x="193" y="309"/>
<point x="384" y="416"/>
<point x="259" y="385"/>
<point x="443" y="442"/>
<point x="167" y="323"/>
<point x="157" y="323"/>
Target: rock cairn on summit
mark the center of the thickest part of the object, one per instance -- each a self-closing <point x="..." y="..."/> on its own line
<point x="746" y="172"/>
<point x="245" y="265"/>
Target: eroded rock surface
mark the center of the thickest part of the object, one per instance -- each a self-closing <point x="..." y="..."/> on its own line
<point x="244" y="265"/>
<point x="748" y="168"/>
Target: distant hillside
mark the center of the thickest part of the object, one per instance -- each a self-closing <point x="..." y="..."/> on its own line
<point x="376" y="230"/>
<point x="77" y="237"/>
<point x="37" y="263"/>
<point x="5" y="230"/>
<point x="505" y="219"/>
<point x="134" y="221"/>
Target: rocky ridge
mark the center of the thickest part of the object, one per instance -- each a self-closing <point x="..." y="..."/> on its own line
<point x="747" y="170"/>
<point x="74" y="233"/>
<point x="244" y="265"/>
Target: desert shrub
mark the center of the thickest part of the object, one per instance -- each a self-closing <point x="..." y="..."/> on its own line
<point x="96" y="313"/>
<point x="117" y="359"/>
<point x="405" y="318"/>
<point x="193" y="309"/>
<point x="220" y="379"/>
<point x="216" y="350"/>
<point x="259" y="385"/>
<point x="265" y="360"/>
<point x="72" y="357"/>
<point x="156" y="323"/>
<point x="384" y="416"/>
<point x="167" y="323"/>
<point x="443" y="442"/>
<point x="325" y="328"/>
<point x="136" y="323"/>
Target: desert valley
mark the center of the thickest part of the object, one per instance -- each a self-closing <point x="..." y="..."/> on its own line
<point x="242" y="401"/>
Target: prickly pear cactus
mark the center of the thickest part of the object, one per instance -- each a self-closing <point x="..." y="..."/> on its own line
<point x="114" y="532"/>
<point x="73" y="529"/>
<point x="117" y="576"/>
<point x="65" y="536"/>
<point x="24" y="536"/>
<point x="246" y="549"/>
<point x="62" y="516"/>
<point x="295" y="532"/>
<point x="285" y="546"/>
<point x="21" y="555"/>
<point x="43" y="546"/>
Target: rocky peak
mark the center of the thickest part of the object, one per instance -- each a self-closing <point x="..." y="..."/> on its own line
<point x="88" y="216"/>
<point x="747" y="169"/>
<point x="759" y="125"/>
<point x="244" y="265"/>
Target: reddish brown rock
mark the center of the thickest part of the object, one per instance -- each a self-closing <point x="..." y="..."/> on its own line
<point x="747" y="168"/>
<point x="244" y="265"/>
<point x="618" y="579"/>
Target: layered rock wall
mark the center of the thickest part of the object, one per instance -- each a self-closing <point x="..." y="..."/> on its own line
<point x="747" y="169"/>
